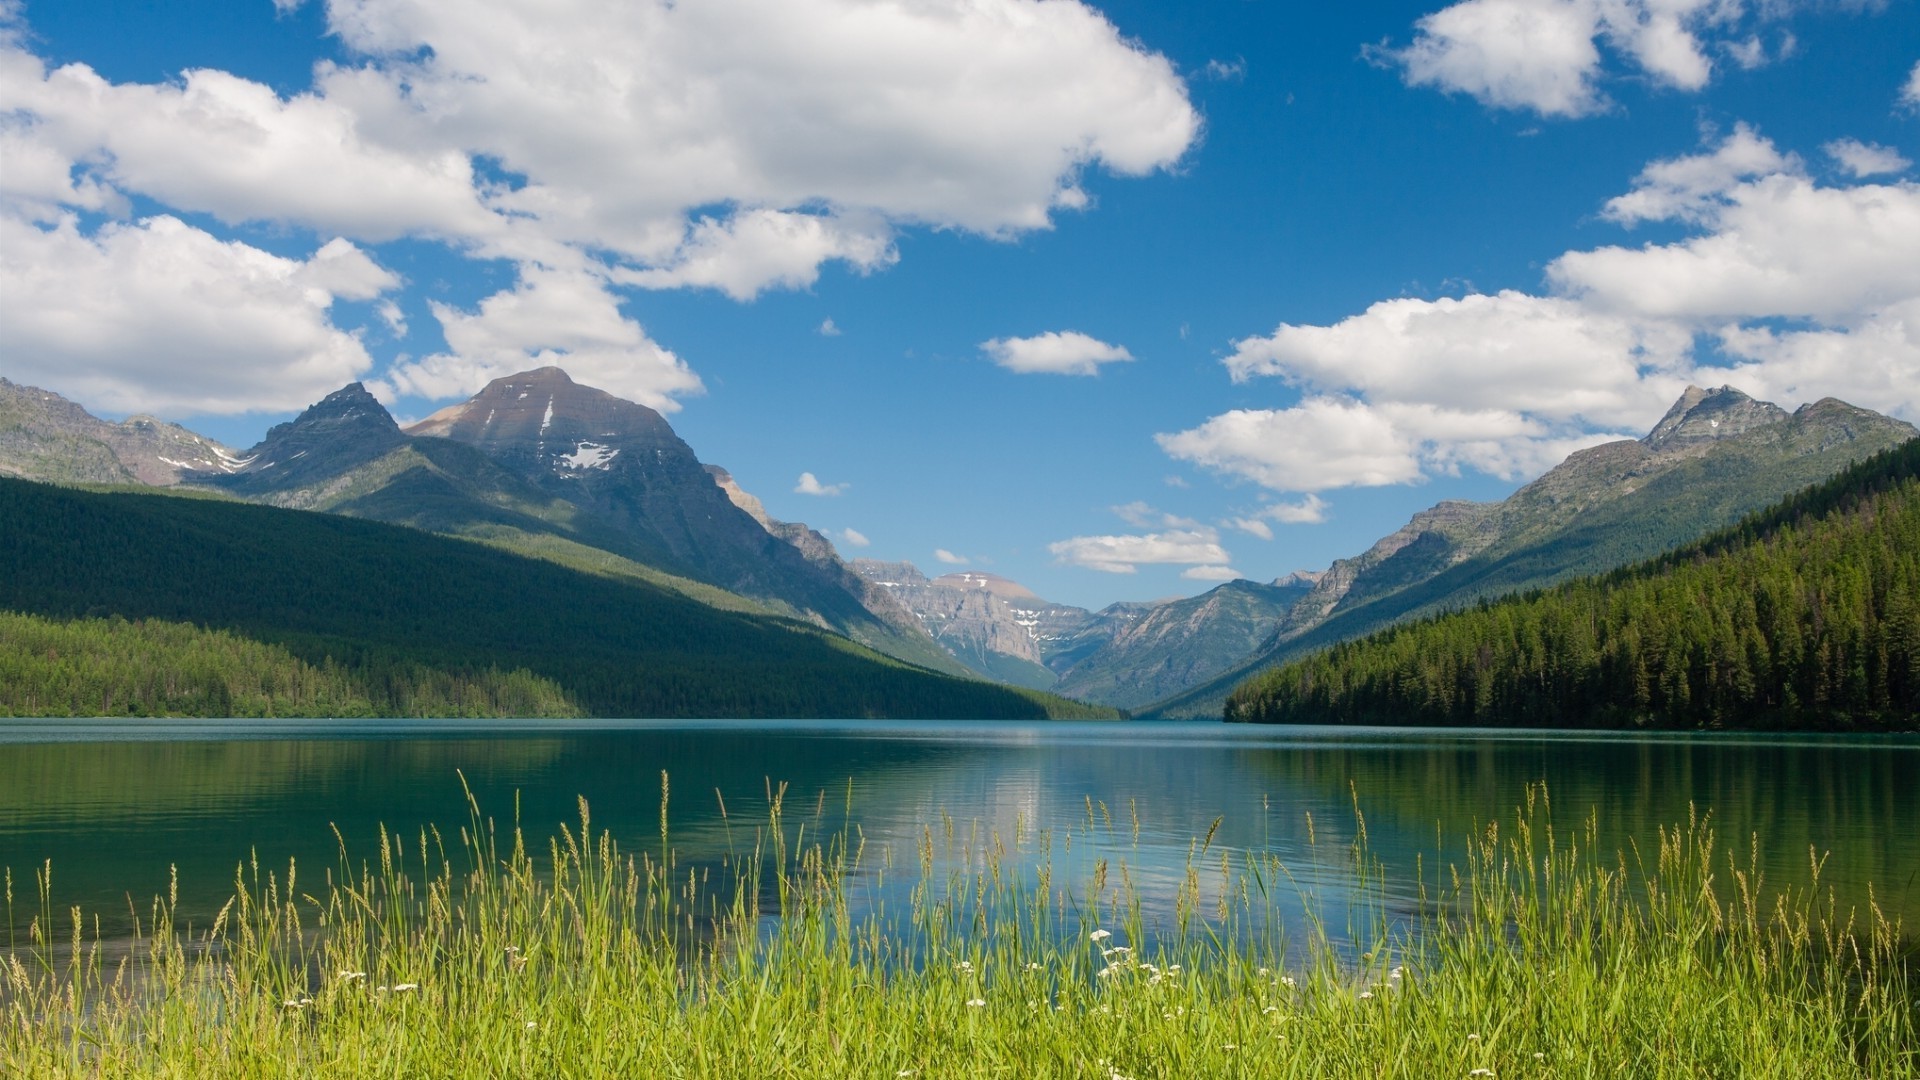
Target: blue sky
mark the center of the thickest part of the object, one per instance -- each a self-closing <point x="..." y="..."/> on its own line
<point x="1117" y="300"/>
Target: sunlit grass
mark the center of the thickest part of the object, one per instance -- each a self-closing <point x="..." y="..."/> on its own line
<point x="478" y="955"/>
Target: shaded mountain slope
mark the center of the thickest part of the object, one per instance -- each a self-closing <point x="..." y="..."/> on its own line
<point x="1171" y="646"/>
<point x="1715" y="457"/>
<point x="391" y="603"/>
<point x="1805" y="616"/>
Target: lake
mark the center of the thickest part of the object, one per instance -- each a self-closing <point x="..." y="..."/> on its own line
<point x="116" y="804"/>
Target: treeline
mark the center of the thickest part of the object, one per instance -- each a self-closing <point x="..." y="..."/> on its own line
<point x="113" y="667"/>
<point x="407" y="617"/>
<point x="1804" y="616"/>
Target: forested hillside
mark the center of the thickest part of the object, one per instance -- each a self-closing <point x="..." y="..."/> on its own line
<point x="1803" y="616"/>
<point x="348" y="616"/>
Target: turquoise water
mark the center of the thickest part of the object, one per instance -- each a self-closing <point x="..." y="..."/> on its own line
<point x="116" y="806"/>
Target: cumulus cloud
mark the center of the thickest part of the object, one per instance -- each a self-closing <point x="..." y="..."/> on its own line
<point x="1065" y="352"/>
<point x="1866" y="159"/>
<point x="810" y="485"/>
<point x="1210" y="573"/>
<point x="948" y="557"/>
<point x="157" y="315"/>
<point x="1126" y="554"/>
<point x="1512" y="54"/>
<point x="1546" y="356"/>
<point x="1803" y="290"/>
<point x="1310" y="510"/>
<point x="1546" y="56"/>
<point x="1693" y="187"/>
<point x="734" y="145"/>
<point x="1910" y="93"/>
<point x="854" y="537"/>
<point x="566" y="319"/>
<point x="754" y="250"/>
<point x="828" y="329"/>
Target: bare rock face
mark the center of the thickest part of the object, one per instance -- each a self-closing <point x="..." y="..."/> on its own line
<point x="300" y="462"/>
<point x="43" y="436"/>
<point x="622" y="463"/>
<point x="819" y="551"/>
<point x="992" y="624"/>
<point x="1705" y="416"/>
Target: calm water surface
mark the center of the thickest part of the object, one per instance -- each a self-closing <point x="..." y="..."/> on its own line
<point x="114" y="804"/>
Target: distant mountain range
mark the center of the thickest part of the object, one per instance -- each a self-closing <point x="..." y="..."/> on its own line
<point x="540" y="465"/>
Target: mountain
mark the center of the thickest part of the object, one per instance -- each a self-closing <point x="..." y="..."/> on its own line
<point x="995" y="626"/>
<point x="1803" y="616"/>
<point x="43" y="436"/>
<point x="152" y="604"/>
<point x="309" y="461"/>
<point x="1162" y="649"/>
<point x="1716" y="456"/>
<point x="542" y="466"/>
<point x="1126" y="655"/>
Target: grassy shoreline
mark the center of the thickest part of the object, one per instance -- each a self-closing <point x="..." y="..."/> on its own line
<point x="480" y="955"/>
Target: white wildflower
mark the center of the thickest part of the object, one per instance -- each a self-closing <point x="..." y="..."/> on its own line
<point x="1099" y="935"/>
<point x="974" y="1003"/>
<point x="401" y="988"/>
<point x="1366" y="995"/>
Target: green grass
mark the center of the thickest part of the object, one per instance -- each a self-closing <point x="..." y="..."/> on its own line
<point x="483" y="956"/>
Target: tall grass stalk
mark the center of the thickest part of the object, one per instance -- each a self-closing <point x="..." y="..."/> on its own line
<point x="1535" y="955"/>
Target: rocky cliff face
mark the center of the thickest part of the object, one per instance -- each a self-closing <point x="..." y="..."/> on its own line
<point x="307" y="460"/>
<point x="994" y="625"/>
<point x="622" y="463"/>
<point x="819" y="551"/>
<point x="43" y="436"/>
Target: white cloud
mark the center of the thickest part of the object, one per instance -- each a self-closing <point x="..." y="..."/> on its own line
<point x="1320" y="443"/>
<point x="1142" y="516"/>
<point x="948" y="557"/>
<point x="1226" y="70"/>
<point x="1544" y="356"/>
<point x="1866" y="159"/>
<point x="828" y="329"/>
<point x="1512" y="54"/>
<point x="1210" y="573"/>
<point x="810" y="485"/>
<point x="1546" y="56"/>
<point x="1776" y="246"/>
<point x="1910" y="93"/>
<point x="223" y="145"/>
<point x="1807" y="290"/>
<point x="1067" y="352"/>
<point x="755" y="250"/>
<point x="1693" y="187"/>
<point x="1125" y="554"/>
<point x="1252" y="526"/>
<point x="854" y="537"/>
<point x="567" y="319"/>
<point x="159" y="316"/>
<point x="395" y="319"/>
<point x="737" y="145"/>
<point x="1311" y="510"/>
<point x="813" y="125"/>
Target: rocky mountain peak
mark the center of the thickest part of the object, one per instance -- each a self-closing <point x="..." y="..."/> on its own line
<point x="1706" y="415"/>
<point x="341" y="431"/>
<point x="542" y="418"/>
<point x="1004" y="588"/>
